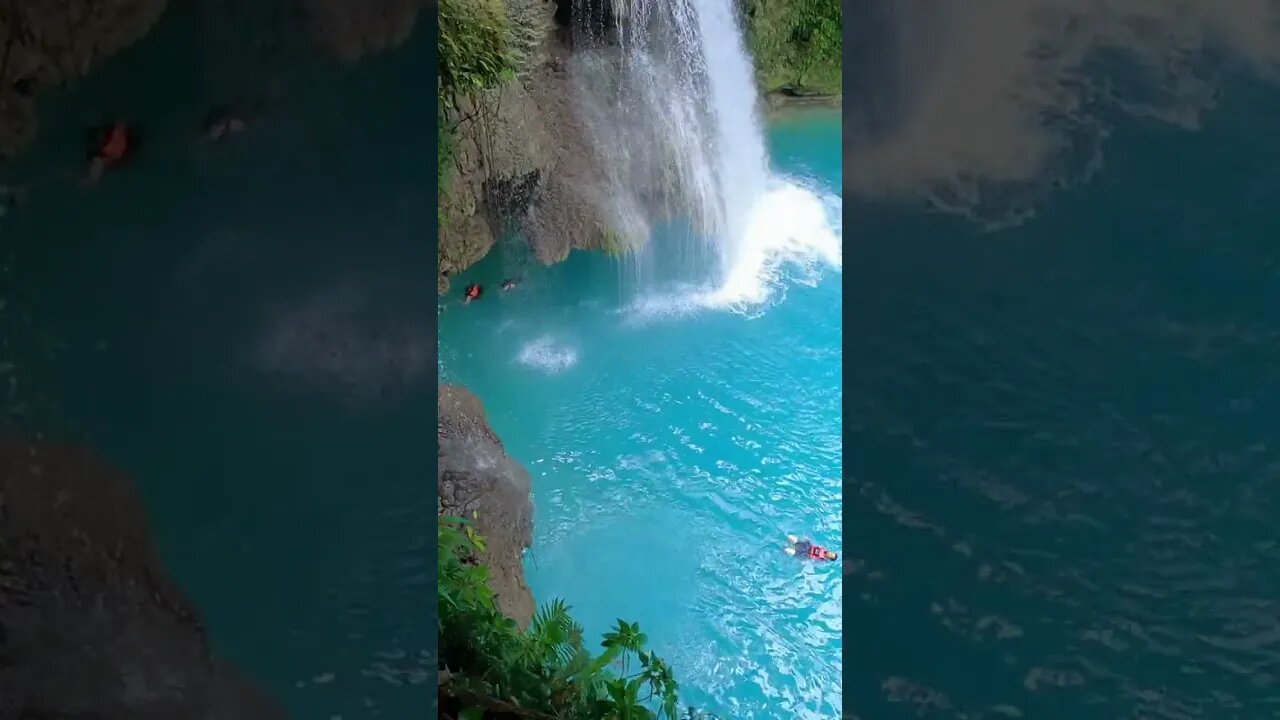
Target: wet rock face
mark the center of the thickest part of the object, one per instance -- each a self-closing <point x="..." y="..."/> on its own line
<point x="477" y="480"/>
<point x="350" y="29"/>
<point x="501" y="142"/>
<point x="524" y="135"/>
<point x="53" y="42"/>
<point x="90" y="624"/>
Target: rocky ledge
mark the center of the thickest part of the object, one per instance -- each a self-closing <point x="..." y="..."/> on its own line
<point x="479" y="481"/>
<point x="91" y="626"/>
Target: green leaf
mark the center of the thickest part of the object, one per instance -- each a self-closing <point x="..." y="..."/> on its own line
<point x="633" y="687"/>
<point x="606" y="658"/>
<point x="544" y="668"/>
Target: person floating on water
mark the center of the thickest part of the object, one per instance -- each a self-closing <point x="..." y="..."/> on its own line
<point x="509" y="284"/>
<point x="225" y="120"/>
<point x="806" y="549"/>
<point x="221" y="122"/>
<point x="108" y="148"/>
<point x="472" y="293"/>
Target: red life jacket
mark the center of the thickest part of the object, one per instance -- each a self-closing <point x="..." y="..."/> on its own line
<point x="116" y="143"/>
<point x="817" y="552"/>
<point x="473" y="292"/>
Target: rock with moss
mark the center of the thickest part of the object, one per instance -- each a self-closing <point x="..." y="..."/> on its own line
<point x="517" y="157"/>
<point x="797" y="46"/>
<point x="477" y="480"/>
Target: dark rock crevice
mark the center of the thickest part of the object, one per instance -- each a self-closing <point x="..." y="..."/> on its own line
<point x="578" y="19"/>
<point x="511" y="196"/>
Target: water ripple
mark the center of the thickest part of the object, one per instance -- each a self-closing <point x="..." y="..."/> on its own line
<point x="1065" y="491"/>
<point x="731" y="472"/>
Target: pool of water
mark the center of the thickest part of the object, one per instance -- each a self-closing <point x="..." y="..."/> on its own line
<point x="1062" y="475"/>
<point x="674" y="444"/>
<point x="246" y="330"/>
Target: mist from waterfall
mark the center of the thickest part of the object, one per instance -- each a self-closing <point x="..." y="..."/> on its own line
<point x="668" y="93"/>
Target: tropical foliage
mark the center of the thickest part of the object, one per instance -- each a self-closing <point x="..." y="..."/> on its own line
<point x="797" y="44"/>
<point x="490" y="668"/>
<point x="475" y="54"/>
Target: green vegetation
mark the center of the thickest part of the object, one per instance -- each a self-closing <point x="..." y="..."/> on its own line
<point x="797" y="45"/>
<point x="492" y="669"/>
<point x="444" y="138"/>
<point x="475" y="53"/>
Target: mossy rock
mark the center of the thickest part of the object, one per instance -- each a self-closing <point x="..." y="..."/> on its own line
<point x="797" y="45"/>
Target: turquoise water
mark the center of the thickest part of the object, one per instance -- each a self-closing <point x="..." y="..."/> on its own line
<point x="673" y="448"/>
<point x="1061" y="452"/>
<point x="247" y="331"/>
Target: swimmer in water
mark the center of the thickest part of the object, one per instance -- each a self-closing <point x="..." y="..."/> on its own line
<point x="472" y="293"/>
<point x="109" y="147"/>
<point x="509" y="284"/>
<point x="222" y="122"/>
<point x="806" y="549"/>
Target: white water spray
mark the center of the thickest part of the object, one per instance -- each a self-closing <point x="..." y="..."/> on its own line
<point x="670" y="98"/>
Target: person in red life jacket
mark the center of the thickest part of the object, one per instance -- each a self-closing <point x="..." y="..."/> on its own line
<point x="806" y="549"/>
<point x="110" y="147"/>
<point x="472" y="293"/>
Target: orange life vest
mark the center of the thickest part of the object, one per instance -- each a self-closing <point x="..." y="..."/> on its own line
<point x="116" y="144"/>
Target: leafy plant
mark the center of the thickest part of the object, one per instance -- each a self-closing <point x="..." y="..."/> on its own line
<point x="797" y="44"/>
<point x="476" y="53"/>
<point x="474" y="44"/>
<point x="490" y="668"/>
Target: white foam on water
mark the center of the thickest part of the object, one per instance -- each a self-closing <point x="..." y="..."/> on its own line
<point x="674" y="111"/>
<point x="545" y="354"/>
<point x="792" y="236"/>
<point x="791" y="227"/>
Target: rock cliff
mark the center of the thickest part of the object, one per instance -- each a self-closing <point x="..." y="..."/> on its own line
<point x="91" y="626"/>
<point x="519" y="155"/>
<point x="477" y="480"/>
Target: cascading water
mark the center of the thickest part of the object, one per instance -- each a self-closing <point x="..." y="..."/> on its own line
<point x="668" y="94"/>
<point x="734" y="130"/>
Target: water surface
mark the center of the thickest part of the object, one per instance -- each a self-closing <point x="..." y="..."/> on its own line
<point x="246" y="330"/>
<point x="1062" y="473"/>
<point x="675" y="443"/>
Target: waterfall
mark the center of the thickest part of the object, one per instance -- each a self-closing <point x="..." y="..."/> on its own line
<point x="735" y="130"/>
<point x="667" y="92"/>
